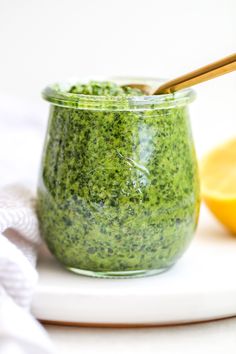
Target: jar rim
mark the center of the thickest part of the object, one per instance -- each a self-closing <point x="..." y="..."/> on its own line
<point x="57" y="94"/>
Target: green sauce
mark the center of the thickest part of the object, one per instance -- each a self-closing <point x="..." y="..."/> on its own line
<point x="118" y="189"/>
<point x="105" y="88"/>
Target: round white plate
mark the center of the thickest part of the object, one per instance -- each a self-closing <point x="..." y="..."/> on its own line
<point x="201" y="286"/>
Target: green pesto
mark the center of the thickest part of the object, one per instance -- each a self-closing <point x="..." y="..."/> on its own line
<point x="105" y="88"/>
<point x="118" y="190"/>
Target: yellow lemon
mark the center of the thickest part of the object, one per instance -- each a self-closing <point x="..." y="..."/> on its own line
<point x="218" y="183"/>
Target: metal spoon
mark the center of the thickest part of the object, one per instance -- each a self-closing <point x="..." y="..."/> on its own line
<point x="208" y="72"/>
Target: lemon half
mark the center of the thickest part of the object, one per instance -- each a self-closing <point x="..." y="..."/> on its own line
<point x="218" y="183"/>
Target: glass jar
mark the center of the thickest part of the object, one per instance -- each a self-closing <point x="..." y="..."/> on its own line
<point x="118" y="192"/>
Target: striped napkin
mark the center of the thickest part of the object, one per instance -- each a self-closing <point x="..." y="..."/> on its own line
<point x="20" y="333"/>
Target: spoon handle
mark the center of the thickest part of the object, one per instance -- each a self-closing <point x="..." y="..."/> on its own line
<point x="204" y="73"/>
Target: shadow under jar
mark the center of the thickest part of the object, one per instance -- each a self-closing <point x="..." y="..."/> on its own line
<point x="118" y="192"/>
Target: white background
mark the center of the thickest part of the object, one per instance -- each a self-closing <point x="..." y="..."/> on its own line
<point x="42" y="41"/>
<point x="47" y="40"/>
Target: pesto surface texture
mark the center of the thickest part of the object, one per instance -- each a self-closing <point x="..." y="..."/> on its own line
<point x="118" y="189"/>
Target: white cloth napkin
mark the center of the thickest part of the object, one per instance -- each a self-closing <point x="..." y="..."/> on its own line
<point x="20" y="333"/>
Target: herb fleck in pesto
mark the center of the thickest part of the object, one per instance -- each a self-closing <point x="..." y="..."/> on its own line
<point x="118" y="189"/>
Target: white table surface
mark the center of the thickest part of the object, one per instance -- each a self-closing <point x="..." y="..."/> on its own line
<point x="210" y="338"/>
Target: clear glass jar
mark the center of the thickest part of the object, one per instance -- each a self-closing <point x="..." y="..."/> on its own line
<point x="118" y="192"/>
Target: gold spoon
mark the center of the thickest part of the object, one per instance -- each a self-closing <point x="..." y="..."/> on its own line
<point x="208" y="72"/>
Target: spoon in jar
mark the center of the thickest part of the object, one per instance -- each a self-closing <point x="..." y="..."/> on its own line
<point x="208" y="72"/>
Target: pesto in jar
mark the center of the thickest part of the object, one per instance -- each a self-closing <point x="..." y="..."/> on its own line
<point x="118" y="192"/>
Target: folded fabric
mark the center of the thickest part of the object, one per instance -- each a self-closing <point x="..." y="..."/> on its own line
<point x="19" y="239"/>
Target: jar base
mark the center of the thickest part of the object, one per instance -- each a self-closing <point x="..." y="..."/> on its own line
<point x="118" y="274"/>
